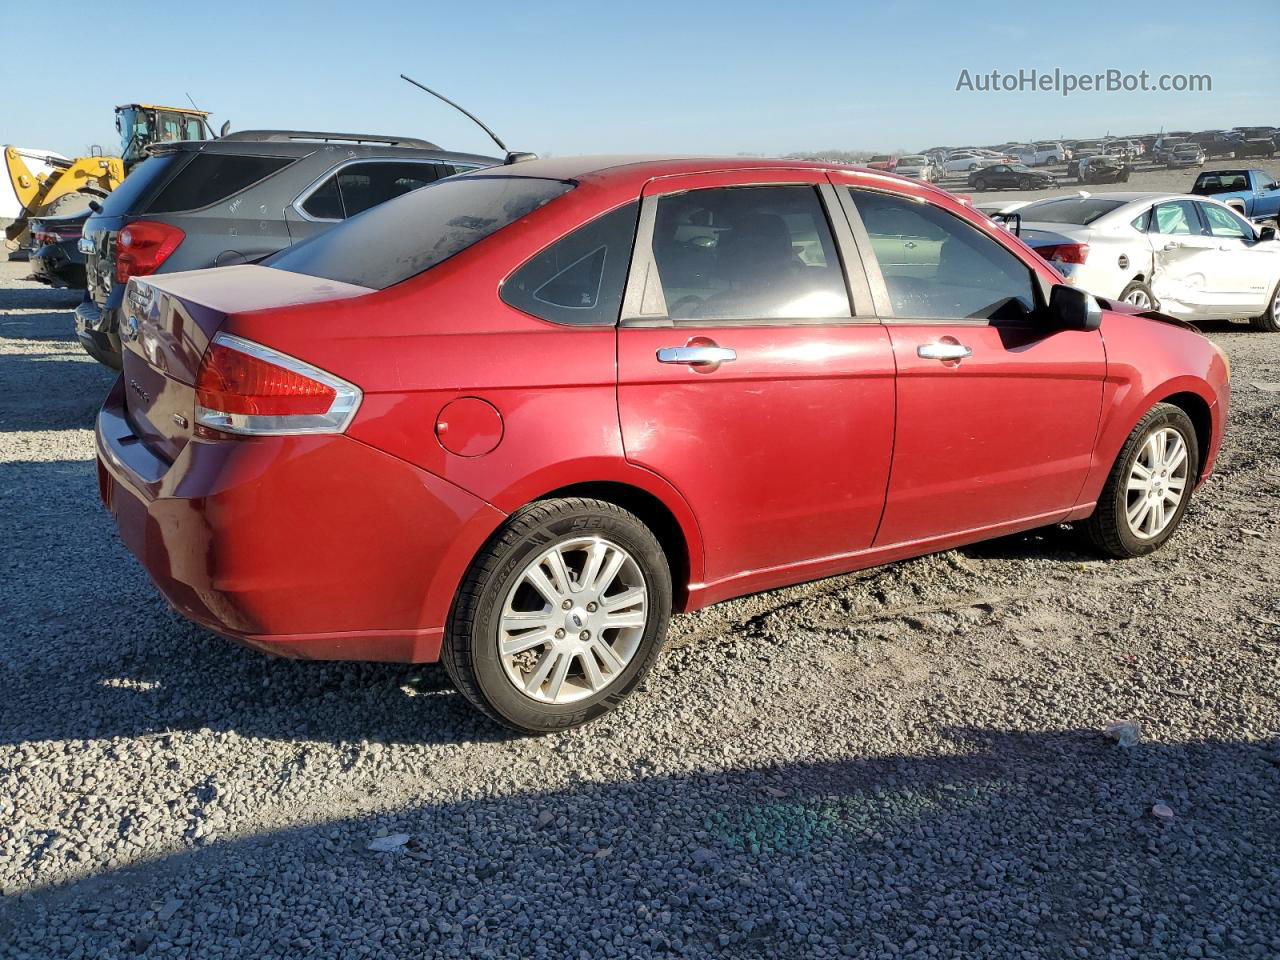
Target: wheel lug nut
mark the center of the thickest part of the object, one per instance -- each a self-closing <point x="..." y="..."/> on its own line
<point x="585" y="635"/>
<point x="592" y="608"/>
<point x="566" y="605"/>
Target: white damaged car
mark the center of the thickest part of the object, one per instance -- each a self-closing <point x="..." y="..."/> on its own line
<point x="1191" y="257"/>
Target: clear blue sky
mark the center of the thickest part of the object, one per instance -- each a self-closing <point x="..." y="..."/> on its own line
<point x="653" y="77"/>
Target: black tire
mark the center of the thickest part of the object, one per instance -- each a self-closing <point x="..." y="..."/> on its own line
<point x="1107" y="528"/>
<point x="470" y="651"/>
<point x="1269" y="322"/>
<point x="1140" y="285"/>
<point x="1026" y="183"/>
<point x="69" y="203"/>
<point x="980" y="184"/>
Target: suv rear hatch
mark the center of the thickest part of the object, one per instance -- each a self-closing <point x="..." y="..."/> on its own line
<point x="168" y="322"/>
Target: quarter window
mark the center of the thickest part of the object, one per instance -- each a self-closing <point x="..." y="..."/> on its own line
<point x="936" y="266"/>
<point x="1223" y="223"/>
<point x="579" y="279"/>
<point x="747" y="253"/>
<point x="211" y="177"/>
<point x="358" y="187"/>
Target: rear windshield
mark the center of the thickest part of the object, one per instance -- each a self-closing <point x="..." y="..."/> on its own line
<point x="211" y="178"/>
<point x="1078" y="210"/>
<point x="127" y="198"/>
<point x="412" y="233"/>
<point x="1221" y="181"/>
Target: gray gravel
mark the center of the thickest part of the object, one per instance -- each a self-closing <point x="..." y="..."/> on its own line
<point x="904" y="763"/>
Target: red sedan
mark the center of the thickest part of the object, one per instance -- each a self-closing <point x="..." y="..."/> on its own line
<point x="514" y="419"/>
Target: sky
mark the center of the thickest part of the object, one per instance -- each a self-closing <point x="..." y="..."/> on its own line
<point x="658" y="77"/>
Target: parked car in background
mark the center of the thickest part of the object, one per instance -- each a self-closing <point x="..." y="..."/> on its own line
<point x="1164" y="146"/>
<point x="1254" y="194"/>
<point x="1128" y="149"/>
<point x="1216" y="143"/>
<point x="1185" y="155"/>
<point x="917" y="167"/>
<point x="237" y="199"/>
<point x="54" y="251"/>
<point x="1087" y="148"/>
<point x="882" y="161"/>
<point x="280" y="467"/>
<point x="1256" y="147"/>
<point x="964" y="161"/>
<point x="1100" y="168"/>
<point x="1010" y="176"/>
<point x="1041" y="154"/>
<point x="1192" y="257"/>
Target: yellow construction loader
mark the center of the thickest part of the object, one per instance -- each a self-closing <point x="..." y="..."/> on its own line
<point x="45" y="183"/>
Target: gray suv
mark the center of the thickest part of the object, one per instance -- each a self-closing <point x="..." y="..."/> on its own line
<point x="212" y="203"/>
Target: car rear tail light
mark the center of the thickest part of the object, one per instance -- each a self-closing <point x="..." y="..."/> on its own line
<point x="143" y="246"/>
<point x="245" y="388"/>
<point x="1065" y="253"/>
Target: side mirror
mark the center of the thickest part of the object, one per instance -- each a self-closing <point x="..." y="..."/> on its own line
<point x="1073" y="309"/>
<point x="1267" y="233"/>
<point x="225" y="128"/>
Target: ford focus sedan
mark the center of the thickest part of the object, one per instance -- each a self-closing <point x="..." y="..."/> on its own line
<point x="515" y="419"/>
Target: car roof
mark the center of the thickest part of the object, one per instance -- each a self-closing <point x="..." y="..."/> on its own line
<point x="301" y="143"/>
<point x="581" y="167"/>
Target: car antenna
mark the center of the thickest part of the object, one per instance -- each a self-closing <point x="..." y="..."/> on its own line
<point x="512" y="156"/>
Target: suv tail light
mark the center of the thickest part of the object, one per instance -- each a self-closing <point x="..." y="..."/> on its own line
<point x="143" y="246"/>
<point x="243" y="387"/>
<point x="1065" y="252"/>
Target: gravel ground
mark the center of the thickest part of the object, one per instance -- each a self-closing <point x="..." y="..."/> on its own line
<point x="902" y="763"/>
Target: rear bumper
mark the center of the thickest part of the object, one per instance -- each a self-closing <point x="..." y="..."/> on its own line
<point x="97" y="330"/>
<point x="312" y="547"/>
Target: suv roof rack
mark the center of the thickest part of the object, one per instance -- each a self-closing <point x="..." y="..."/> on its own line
<point x="325" y="136"/>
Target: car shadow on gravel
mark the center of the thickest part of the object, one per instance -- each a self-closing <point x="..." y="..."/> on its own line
<point x="79" y="384"/>
<point x="1059" y="543"/>
<point x="1046" y="844"/>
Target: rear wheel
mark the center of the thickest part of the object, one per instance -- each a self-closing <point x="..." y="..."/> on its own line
<point x="560" y="616"/>
<point x="1149" y="487"/>
<point x="1269" y="322"/>
<point x="1138" y="294"/>
<point x="980" y="184"/>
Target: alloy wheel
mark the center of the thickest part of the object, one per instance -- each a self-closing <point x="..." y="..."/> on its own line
<point x="1157" y="483"/>
<point x="1138" y="298"/>
<point x="573" y="620"/>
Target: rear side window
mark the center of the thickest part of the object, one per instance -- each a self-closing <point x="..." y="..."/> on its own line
<point x="405" y="236"/>
<point x="356" y="188"/>
<point x="578" y="279"/>
<point x="211" y="178"/>
<point x="127" y="198"/>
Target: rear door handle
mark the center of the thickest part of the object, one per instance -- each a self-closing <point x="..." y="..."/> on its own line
<point x="696" y="356"/>
<point x="943" y="351"/>
<point x="1173" y="245"/>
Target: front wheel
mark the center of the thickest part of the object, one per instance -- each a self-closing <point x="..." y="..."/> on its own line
<point x="1269" y="322"/>
<point x="560" y="616"/>
<point x="980" y="184"/>
<point x="1149" y="487"/>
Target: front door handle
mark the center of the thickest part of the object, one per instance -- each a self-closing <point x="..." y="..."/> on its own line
<point x="696" y="356"/>
<point x="943" y="351"/>
<point x="1173" y="245"/>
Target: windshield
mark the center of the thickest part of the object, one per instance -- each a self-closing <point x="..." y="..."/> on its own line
<point x="1077" y="210"/>
<point x="412" y="233"/>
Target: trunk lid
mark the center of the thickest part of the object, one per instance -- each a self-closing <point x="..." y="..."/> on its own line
<point x="167" y="322"/>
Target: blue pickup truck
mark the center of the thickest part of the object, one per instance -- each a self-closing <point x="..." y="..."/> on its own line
<point x="1254" y="193"/>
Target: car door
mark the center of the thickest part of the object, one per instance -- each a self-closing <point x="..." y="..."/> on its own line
<point x="753" y="374"/>
<point x="1242" y="269"/>
<point x="996" y="414"/>
<point x="1186" y="268"/>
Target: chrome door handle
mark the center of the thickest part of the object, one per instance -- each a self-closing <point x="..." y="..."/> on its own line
<point x="910" y="244"/>
<point x="1173" y="245"/>
<point x="694" y="356"/>
<point x="943" y="351"/>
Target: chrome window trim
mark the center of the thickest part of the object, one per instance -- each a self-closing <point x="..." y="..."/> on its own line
<point x="319" y="181"/>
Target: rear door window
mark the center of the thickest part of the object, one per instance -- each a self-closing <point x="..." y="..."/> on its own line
<point x="360" y="186"/>
<point x="579" y="279"/>
<point x="210" y="178"/>
<point x="748" y="253"/>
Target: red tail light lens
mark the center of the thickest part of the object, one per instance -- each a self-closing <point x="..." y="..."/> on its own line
<point x="142" y="247"/>
<point x="1065" y="252"/>
<point x="246" y="388"/>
